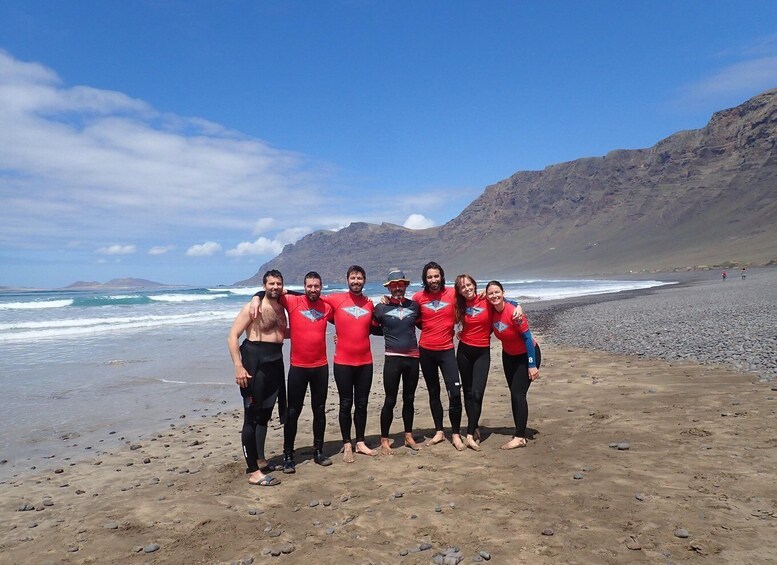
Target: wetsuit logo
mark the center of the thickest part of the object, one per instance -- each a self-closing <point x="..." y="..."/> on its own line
<point x="312" y="314"/>
<point x="436" y="305"/>
<point x="500" y="326"/>
<point x="356" y="311"/>
<point x="473" y="311"/>
<point x="400" y="313"/>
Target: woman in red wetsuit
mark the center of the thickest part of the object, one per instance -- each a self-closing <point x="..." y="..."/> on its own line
<point x="473" y="356"/>
<point x="518" y="358"/>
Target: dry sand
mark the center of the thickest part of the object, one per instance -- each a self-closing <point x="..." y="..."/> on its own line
<point x="702" y="457"/>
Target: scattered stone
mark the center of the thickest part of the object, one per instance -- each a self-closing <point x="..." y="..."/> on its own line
<point x="330" y="531"/>
<point x="275" y="552"/>
<point x="327" y="503"/>
<point x="623" y="446"/>
<point x="345" y="498"/>
<point x="287" y="548"/>
<point x="614" y="444"/>
<point x="26" y="507"/>
<point x="578" y="476"/>
<point x="59" y="471"/>
<point x="135" y="446"/>
<point x="633" y="544"/>
<point x="147" y="460"/>
<point x="111" y="526"/>
<point x="425" y="546"/>
<point x="313" y="503"/>
<point x="548" y="532"/>
<point x="681" y="533"/>
<point x="72" y="549"/>
<point x="485" y="555"/>
<point x="403" y="552"/>
<point x="151" y="548"/>
<point x="399" y="494"/>
<point x="48" y="502"/>
<point x="275" y="533"/>
<point x="639" y="496"/>
<point x="252" y="512"/>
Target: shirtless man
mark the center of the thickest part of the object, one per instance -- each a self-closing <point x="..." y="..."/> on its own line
<point x="259" y="373"/>
<point x="308" y="317"/>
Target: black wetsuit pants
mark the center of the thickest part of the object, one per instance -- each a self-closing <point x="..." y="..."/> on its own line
<point x="445" y="361"/>
<point x="353" y="386"/>
<point x="264" y="362"/>
<point x="517" y="374"/>
<point x="396" y="368"/>
<point x="473" y="368"/>
<point x="299" y="378"/>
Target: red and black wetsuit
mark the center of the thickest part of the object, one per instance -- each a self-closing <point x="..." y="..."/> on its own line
<point x="518" y="355"/>
<point x="473" y="357"/>
<point x="353" y="359"/>
<point x="438" y="317"/>
<point x="307" y="326"/>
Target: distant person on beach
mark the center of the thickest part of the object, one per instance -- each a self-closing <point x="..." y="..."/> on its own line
<point x="744" y="273"/>
<point x="438" y="318"/>
<point x="724" y="275"/>
<point x="520" y="358"/>
<point x="308" y="317"/>
<point x="398" y="319"/>
<point x="259" y="373"/>
<point x="473" y="356"/>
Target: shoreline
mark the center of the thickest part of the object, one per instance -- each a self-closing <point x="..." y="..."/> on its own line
<point x="701" y="457"/>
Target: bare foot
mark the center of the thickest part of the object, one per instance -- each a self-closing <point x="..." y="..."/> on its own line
<point x="438" y="437"/>
<point x="348" y="453"/>
<point x="362" y="448"/>
<point x="255" y="477"/>
<point x="515" y="442"/>
<point x="457" y="443"/>
<point x="471" y="443"/>
<point x="385" y="446"/>
<point x="410" y="442"/>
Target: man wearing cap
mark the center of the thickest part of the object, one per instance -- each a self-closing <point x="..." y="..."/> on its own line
<point x="398" y="318"/>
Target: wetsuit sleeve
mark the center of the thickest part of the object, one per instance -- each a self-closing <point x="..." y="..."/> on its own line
<point x="513" y="302"/>
<point x="529" y="341"/>
<point x="375" y="329"/>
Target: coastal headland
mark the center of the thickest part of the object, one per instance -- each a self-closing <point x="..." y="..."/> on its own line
<point x="657" y="450"/>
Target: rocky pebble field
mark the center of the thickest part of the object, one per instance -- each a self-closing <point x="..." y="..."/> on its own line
<point x="731" y="323"/>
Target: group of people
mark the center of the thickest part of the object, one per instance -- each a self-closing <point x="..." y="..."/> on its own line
<point x="437" y="310"/>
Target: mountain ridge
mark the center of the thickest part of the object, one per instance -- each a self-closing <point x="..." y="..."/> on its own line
<point x="697" y="197"/>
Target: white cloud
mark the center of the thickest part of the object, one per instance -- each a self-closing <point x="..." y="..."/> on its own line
<point x="741" y="79"/>
<point x="117" y="250"/>
<point x="418" y="222"/>
<point x="160" y="249"/>
<point x="292" y="235"/>
<point x="261" y="246"/>
<point x="204" y="249"/>
<point x="263" y="224"/>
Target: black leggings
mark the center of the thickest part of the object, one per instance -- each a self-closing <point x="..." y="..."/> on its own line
<point x="299" y="377"/>
<point x="517" y="374"/>
<point x="445" y="361"/>
<point x="264" y="362"/>
<point x="473" y="368"/>
<point x="353" y="386"/>
<point x="397" y="368"/>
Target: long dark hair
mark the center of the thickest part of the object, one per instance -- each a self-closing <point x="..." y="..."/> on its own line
<point x="432" y="265"/>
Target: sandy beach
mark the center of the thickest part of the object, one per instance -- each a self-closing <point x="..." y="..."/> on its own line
<point x="631" y="458"/>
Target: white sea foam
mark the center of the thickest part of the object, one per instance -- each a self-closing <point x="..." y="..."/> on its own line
<point x="531" y="293"/>
<point x="182" y="297"/>
<point x="63" y="329"/>
<point x="36" y="305"/>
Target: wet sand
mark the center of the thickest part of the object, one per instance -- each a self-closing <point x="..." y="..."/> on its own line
<point x="698" y="452"/>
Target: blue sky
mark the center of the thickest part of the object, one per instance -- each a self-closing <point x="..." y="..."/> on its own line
<point x="188" y="141"/>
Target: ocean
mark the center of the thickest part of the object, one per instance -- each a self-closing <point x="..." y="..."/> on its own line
<point x="83" y="371"/>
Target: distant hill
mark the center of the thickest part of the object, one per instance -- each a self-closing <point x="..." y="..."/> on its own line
<point x="700" y="197"/>
<point x="115" y="284"/>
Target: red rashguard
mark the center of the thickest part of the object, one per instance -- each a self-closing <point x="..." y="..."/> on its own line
<point x="353" y="318"/>
<point x="438" y="316"/>
<point x="476" y="329"/>
<point x="307" y="327"/>
<point x="508" y="332"/>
